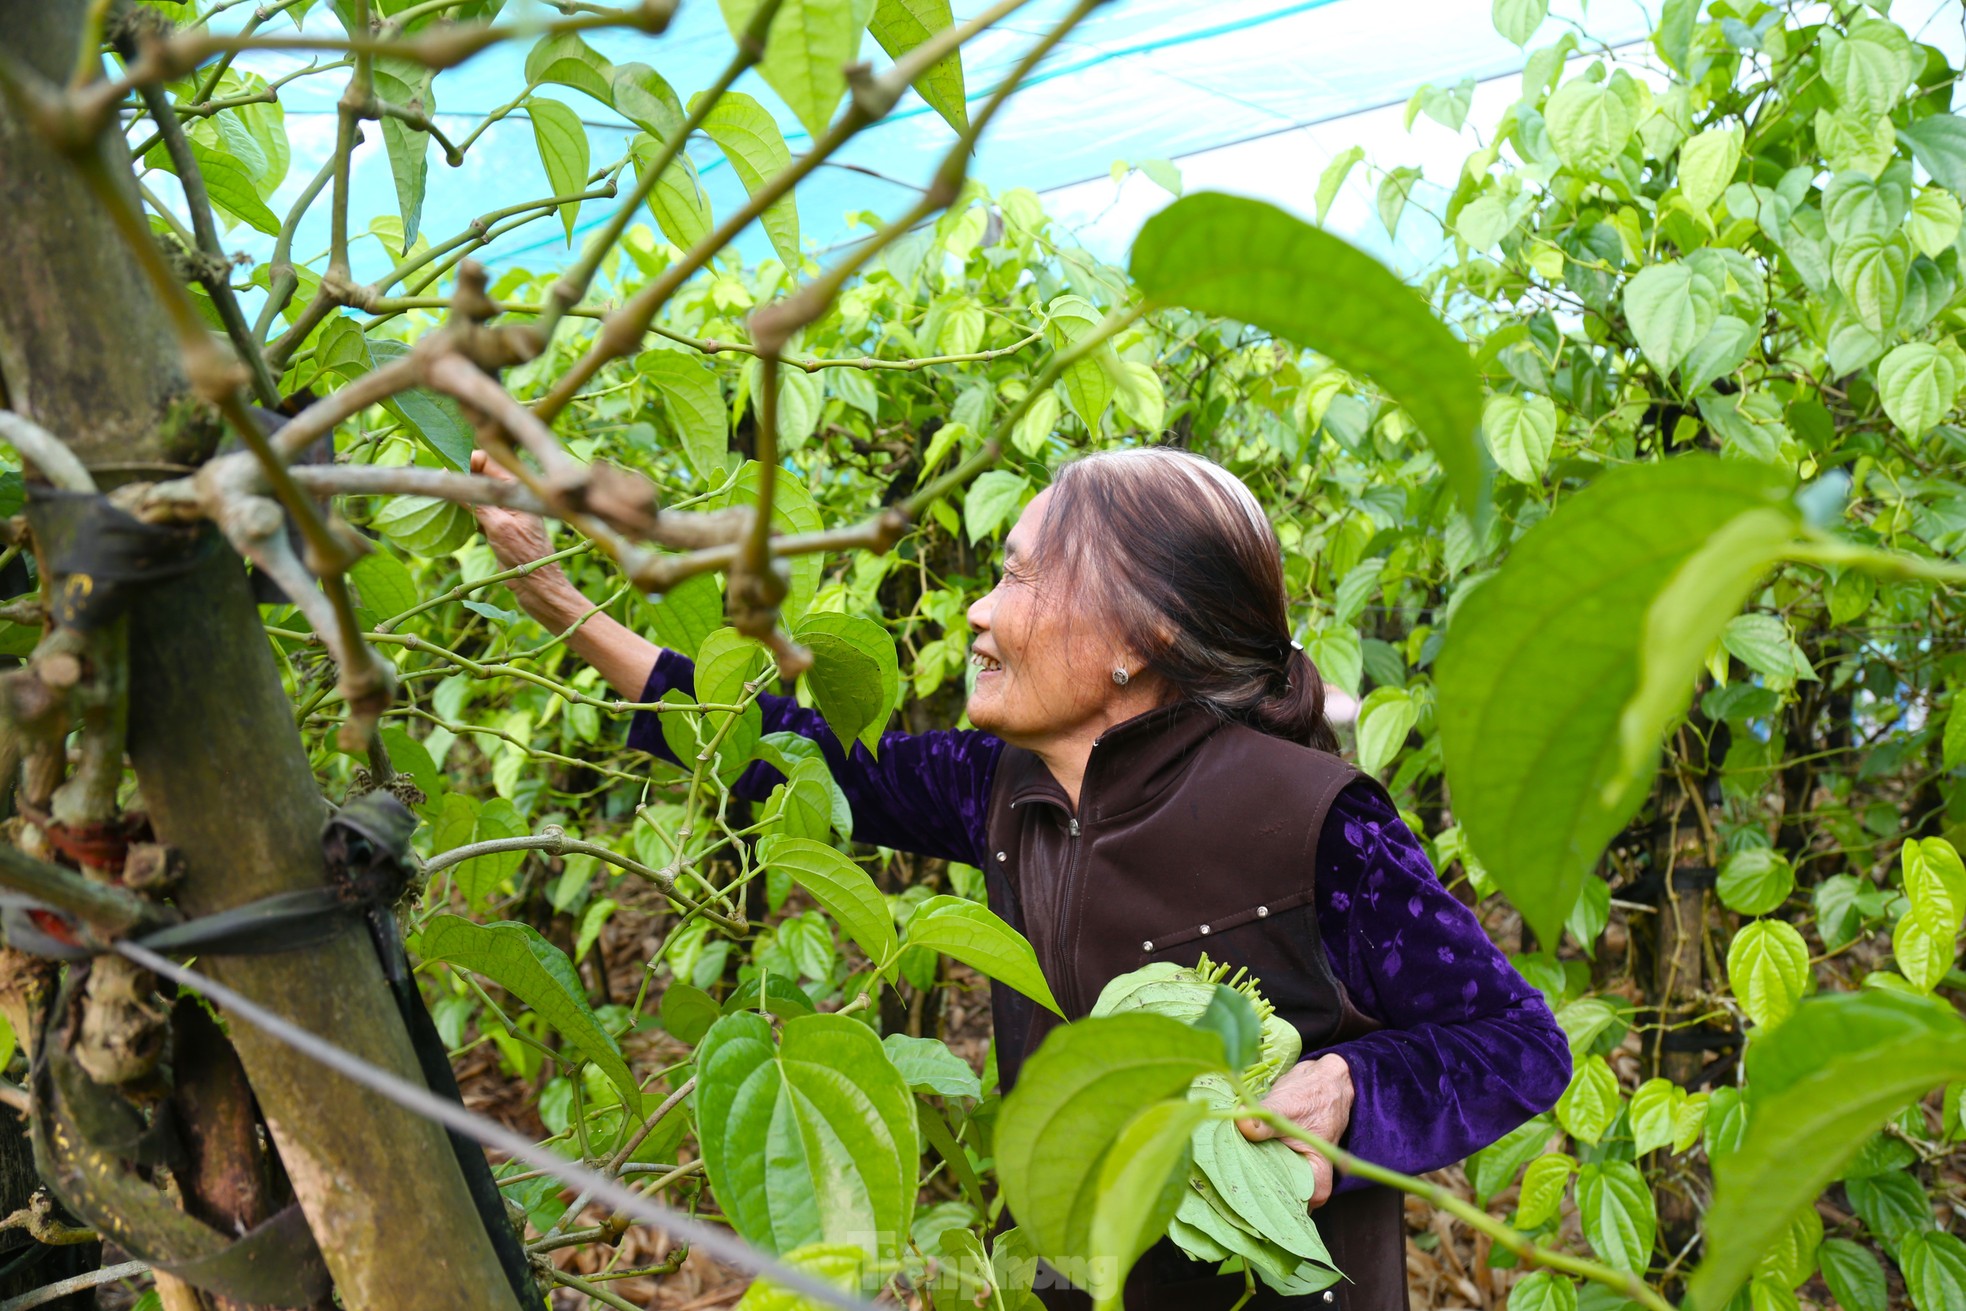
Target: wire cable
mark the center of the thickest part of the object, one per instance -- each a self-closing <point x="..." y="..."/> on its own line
<point x="724" y="1246"/>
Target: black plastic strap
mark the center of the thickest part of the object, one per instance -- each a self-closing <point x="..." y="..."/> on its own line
<point x="81" y="1130"/>
<point x="275" y="1263"/>
<point x="95" y="553"/>
<point x="285" y="921"/>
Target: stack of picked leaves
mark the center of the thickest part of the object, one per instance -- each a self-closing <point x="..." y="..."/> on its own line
<point x="1245" y="1202"/>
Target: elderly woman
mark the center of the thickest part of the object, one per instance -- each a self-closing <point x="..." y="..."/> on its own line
<point x="1151" y="775"/>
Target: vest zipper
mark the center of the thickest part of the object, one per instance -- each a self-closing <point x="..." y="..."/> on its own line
<point x="1067" y="905"/>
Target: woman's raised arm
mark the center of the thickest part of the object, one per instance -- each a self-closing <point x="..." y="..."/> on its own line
<point x="924" y="792"/>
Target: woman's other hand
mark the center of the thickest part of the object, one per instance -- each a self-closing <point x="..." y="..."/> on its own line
<point x="1314" y="1095"/>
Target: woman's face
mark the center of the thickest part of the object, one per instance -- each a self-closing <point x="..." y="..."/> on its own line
<point x="1044" y="662"/>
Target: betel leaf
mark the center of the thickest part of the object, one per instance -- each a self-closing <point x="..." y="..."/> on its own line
<point x="1076" y="1096"/>
<point x="1334" y="176"/>
<point x="900" y="26"/>
<point x="645" y="98"/>
<point x="1869" y="269"/>
<point x="1139" y="1189"/>
<point x="841" y="887"/>
<point x="749" y="137"/>
<point x="1768" y="969"/>
<point x="688" y="1012"/>
<point x="808" y="1140"/>
<point x="677" y="201"/>
<point x="1934" y="878"/>
<point x="1918" y="383"/>
<point x="930" y="1067"/>
<point x="1230" y="1017"/>
<point x="562" y="141"/>
<point x="412" y="758"/>
<point x="693" y="400"/>
<point x="688" y="612"/>
<point x="519" y="960"/>
<point x="1671" y="306"/>
<point x="1385" y="717"/>
<point x="807" y="49"/>
<point x="689" y="733"/>
<point x="843" y="1265"/>
<point x="1494" y="1167"/>
<point x="1724" y="349"/>
<point x="1559" y="673"/>
<point x="1853" y="1275"/>
<point x="1543" y="1290"/>
<point x="384" y="587"/>
<point x="1935" y="1270"/>
<point x="993" y="498"/>
<point x="1829" y="1076"/>
<point x="1521" y="432"/>
<point x="1087" y="382"/>
<point x="1653" y="1114"/>
<point x="1518" y="20"/>
<point x="1264" y="1188"/>
<point x="855" y="677"/>
<point x="1791" y="1258"/>
<point x="1707" y="163"/>
<point x="1543" y="1185"/>
<point x="1856" y="204"/>
<point x="1248" y="260"/>
<point x="979" y="939"/>
<point x="1939" y="143"/>
<point x="431" y="415"/>
<point x="1589" y="123"/>
<point x="1755" y="881"/>
<point x="568" y="61"/>
<point x="229" y="185"/>
<point x="341" y="349"/>
<point x="726" y="663"/>
<point x="1589" y="1106"/>
<point x="460" y="821"/>
<point x="801" y="806"/>
<point x="1893" y="1204"/>
<point x="401" y="82"/>
<point x="1618" y="1214"/>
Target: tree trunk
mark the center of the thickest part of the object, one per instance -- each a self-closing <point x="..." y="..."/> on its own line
<point x="85" y="351"/>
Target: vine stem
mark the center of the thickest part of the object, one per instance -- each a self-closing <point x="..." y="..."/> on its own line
<point x="554" y="842"/>
<point x="1441" y="1199"/>
<point x="81" y="1283"/>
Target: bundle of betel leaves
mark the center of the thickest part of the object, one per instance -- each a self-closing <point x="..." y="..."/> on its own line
<point x="1245" y="1203"/>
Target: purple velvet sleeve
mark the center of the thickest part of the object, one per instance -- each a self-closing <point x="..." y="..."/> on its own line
<point x="1470" y="1049"/>
<point x="925" y="792"/>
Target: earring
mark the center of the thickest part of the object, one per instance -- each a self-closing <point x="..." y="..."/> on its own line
<point x="1121" y="677"/>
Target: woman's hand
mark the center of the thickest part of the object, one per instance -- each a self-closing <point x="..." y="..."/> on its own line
<point x="515" y="537"/>
<point x="518" y="538"/>
<point x="622" y="658"/>
<point x="1314" y="1095"/>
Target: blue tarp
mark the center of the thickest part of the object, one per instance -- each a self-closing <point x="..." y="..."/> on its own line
<point x="1250" y="95"/>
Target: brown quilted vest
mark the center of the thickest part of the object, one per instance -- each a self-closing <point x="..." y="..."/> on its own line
<point x="1191" y="835"/>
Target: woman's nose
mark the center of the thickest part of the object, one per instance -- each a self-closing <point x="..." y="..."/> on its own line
<point x="981" y="609"/>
